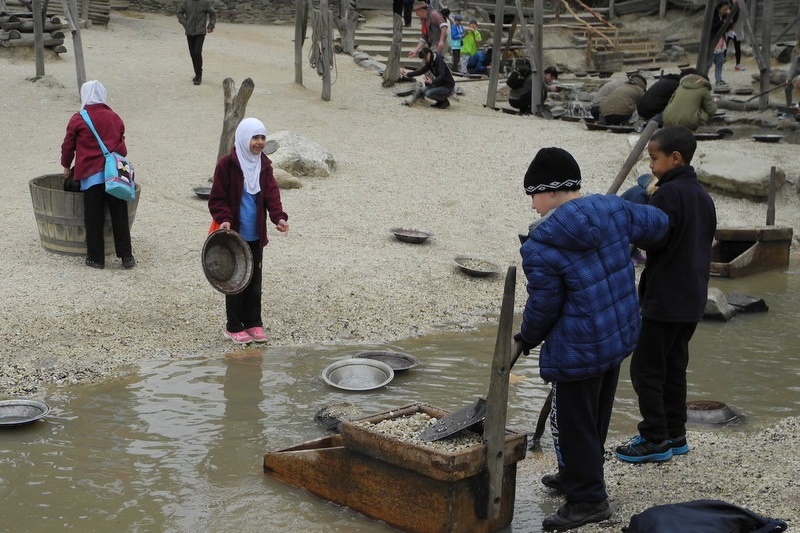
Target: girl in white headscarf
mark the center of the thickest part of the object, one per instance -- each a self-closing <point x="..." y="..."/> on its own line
<point x="81" y="146"/>
<point x="243" y="195"/>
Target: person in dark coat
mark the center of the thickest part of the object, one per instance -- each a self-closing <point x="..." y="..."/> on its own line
<point x="582" y="308"/>
<point x="620" y="105"/>
<point x="673" y="290"/>
<point x="657" y="97"/>
<point x="197" y="18"/>
<point x="442" y="83"/>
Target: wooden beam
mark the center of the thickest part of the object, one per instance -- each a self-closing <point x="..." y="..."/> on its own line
<point x="300" y="14"/>
<point x="494" y="427"/>
<point x="499" y="11"/>
<point x="538" y="58"/>
<point x="38" y="36"/>
<point x="705" y="38"/>
<point x="766" y="35"/>
<point x="326" y="46"/>
<point x="771" y="197"/>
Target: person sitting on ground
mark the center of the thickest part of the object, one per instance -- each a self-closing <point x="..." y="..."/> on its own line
<point x="657" y="96"/>
<point x="621" y="104"/>
<point x="480" y="62"/>
<point x="521" y="83"/>
<point x="601" y="95"/>
<point x="442" y="84"/>
<point x="691" y="104"/>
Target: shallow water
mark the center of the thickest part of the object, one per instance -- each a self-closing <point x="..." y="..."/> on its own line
<point x="179" y="445"/>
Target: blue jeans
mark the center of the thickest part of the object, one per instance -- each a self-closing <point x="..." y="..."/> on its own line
<point x="439" y="94"/>
<point x="718" y="60"/>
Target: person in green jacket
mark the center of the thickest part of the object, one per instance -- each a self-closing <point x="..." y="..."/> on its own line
<point x="691" y="104"/>
<point x="469" y="44"/>
<point x="197" y="18"/>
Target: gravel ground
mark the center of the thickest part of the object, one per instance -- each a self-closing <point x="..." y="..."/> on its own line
<point x="339" y="275"/>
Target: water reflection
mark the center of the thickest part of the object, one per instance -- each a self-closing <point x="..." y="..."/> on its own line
<point x="179" y="446"/>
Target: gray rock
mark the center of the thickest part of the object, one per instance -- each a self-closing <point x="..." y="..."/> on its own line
<point x="737" y="173"/>
<point x="300" y="156"/>
<point x="717" y="306"/>
<point x="286" y="180"/>
<point x="747" y="304"/>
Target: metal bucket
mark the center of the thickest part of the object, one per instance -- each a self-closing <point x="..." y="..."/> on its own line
<point x="59" y="216"/>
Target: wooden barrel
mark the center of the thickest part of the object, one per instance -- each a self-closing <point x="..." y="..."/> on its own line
<point x="59" y="216"/>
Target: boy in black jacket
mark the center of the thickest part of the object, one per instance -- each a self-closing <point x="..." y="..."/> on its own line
<point x="673" y="292"/>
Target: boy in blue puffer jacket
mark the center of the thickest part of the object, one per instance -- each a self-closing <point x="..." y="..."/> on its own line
<point x="582" y="305"/>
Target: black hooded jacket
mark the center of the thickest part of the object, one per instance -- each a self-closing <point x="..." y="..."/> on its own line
<point x="657" y="97"/>
<point x="674" y="284"/>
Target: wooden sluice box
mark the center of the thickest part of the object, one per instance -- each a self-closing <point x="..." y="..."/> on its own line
<point x="739" y="252"/>
<point x="411" y="487"/>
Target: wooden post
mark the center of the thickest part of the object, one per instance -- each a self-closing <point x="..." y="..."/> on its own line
<point x="766" y="38"/>
<point x="392" y="71"/>
<point x="299" y="24"/>
<point x="494" y="430"/>
<point x="644" y="138"/>
<point x="771" y="198"/>
<point x="84" y="10"/>
<point x="70" y="8"/>
<point x="526" y="34"/>
<point x="611" y="10"/>
<point x="346" y="24"/>
<point x="662" y="9"/>
<point x="235" y="107"/>
<point x="538" y="76"/>
<point x="499" y="11"/>
<point x="38" y="36"/>
<point x="703" y="52"/>
<point x="326" y="46"/>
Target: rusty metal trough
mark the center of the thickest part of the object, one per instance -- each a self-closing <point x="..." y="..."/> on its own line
<point x="739" y="252"/>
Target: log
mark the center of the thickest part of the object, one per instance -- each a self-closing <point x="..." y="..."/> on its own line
<point x="418" y="92"/>
<point x="235" y="107"/>
<point x="10" y="34"/>
<point x="392" y="71"/>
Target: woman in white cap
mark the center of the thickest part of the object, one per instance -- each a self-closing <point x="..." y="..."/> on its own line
<point x="81" y="144"/>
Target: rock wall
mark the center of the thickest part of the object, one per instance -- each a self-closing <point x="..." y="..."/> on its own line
<point x="252" y="12"/>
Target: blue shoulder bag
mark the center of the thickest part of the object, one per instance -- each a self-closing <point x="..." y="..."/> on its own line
<point x="118" y="171"/>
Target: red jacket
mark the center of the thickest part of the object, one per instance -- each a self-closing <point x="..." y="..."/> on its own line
<point x="80" y="143"/>
<point x="226" y="195"/>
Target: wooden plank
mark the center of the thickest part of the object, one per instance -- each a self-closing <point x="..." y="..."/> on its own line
<point x="497" y="400"/>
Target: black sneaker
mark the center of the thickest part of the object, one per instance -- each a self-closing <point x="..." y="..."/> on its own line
<point x="445" y="104"/>
<point x="94" y="264"/>
<point x="196" y="80"/>
<point x="640" y="450"/>
<point x="552" y="481"/>
<point x="128" y="262"/>
<point x="679" y="446"/>
<point x="575" y="514"/>
<point x="437" y="105"/>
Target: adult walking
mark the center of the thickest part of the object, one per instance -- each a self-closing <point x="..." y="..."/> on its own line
<point x="197" y="18"/>
<point x="81" y="145"/>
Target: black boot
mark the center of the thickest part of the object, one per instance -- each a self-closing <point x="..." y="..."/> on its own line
<point x="575" y="514"/>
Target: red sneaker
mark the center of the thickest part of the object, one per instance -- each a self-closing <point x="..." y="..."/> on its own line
<point x="257" y="334"/>
<point x="239" y="337"/>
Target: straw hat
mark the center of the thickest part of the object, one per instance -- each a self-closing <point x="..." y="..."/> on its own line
<point x="227" y="261"/>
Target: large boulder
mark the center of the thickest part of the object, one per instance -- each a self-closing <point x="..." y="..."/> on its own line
<point x="737" y="173"/>
<point x="300" y="156"/>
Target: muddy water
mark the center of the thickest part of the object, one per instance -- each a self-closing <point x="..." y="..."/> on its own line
<point x="179" y="445"/>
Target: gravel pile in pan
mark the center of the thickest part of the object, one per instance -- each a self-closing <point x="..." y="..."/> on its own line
<point x="408" y="428"/>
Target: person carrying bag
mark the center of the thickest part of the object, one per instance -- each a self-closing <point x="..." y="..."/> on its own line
<point x="82" y="143"/>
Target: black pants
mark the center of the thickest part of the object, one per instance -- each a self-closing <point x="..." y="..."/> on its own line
<point x="95" y="201"/>
<point x="196" y="51"/>
<point x="579" y="420"/>
<point x="243" y="310"/>
<point x="737" y="48"/>
<point x="523" y="103"/>
<point x="407" y="12"/>
<point x="658" y="374"/>
<point x="614" y="120"/>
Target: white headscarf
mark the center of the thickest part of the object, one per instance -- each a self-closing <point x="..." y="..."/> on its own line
<point x="92" y="92"/>
<point x="250" y="163"/>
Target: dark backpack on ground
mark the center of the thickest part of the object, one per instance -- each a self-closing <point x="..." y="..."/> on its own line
<point x="702" y="516"/>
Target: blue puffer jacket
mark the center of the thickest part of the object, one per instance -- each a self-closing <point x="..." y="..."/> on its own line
<point x="582" y="299"/>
